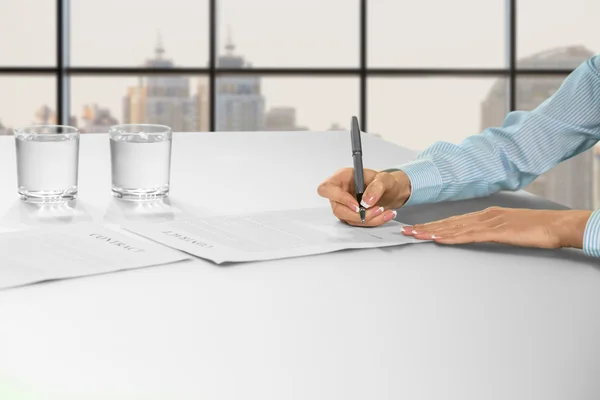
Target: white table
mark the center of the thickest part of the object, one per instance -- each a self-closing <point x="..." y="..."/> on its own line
<point x="413" y="322"/>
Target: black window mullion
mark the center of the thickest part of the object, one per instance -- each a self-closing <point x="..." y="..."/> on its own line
<point x="60" y="77"/>
<point x="363" y="65"/>
<point x="511" y="12"/>
<point x="212" y="34"/>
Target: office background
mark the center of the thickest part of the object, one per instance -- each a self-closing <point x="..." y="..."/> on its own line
<point x="414" y="72"/>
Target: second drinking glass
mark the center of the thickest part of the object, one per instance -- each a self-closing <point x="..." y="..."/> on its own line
<point x="140" y="161"/>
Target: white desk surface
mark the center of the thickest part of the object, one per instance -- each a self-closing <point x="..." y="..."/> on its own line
<point x="413" y="322"/>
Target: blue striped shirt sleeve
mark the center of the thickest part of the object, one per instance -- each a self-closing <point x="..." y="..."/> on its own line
<point x="591" y="235"/>
<point x="511" y="156"/>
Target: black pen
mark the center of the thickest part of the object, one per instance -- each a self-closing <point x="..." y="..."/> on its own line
<point x="359" y="179"/>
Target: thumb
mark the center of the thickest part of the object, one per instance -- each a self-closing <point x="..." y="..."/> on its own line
<point x="376" y="189"/>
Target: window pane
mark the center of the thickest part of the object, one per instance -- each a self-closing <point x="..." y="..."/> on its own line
<point x="416" y="112"/>
<point x="435" y="33"/>
<point x="136" y="32"/>
<point x="556" y="34"/>
<point x="307" y="33"/>
<point x="180" y="102"/>
<point x="27" y="100"/>
<point x="28" y="33"/>
<point x="572" y="182"/>
<point x="251" y="103"/>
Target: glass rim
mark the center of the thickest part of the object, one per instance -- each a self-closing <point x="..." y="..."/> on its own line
<point x="157" y="129"/>
<point x="32" y="130"/>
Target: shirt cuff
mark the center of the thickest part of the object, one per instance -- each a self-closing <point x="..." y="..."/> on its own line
<point x="425" y="181"/>
<point x="591" y="235"/>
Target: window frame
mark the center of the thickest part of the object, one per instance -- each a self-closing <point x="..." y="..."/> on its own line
<point x="62" y="71"/>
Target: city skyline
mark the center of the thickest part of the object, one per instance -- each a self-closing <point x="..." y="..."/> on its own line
<point x="298" y="34"/>
<point x="196" y="95"/>
<point x="201" y="87"/>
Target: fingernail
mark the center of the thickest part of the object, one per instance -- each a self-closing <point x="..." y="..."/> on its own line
<point x="354" y="207"/>
<point x="367" y="202"/>
<point x="378" y="211"/>
<point x="414" y="232"/>
<point x="390" y="216"/>
<point x="434" y="237"/>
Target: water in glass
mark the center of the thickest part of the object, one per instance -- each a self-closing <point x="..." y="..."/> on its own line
<point x="141" y="165"/>
<point x="47" y="166"/>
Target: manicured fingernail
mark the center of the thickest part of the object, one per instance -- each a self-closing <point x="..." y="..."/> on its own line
<point x="354" y="207"/>
<point x="367" y="202"/>
<point x="415" y="232"/>
<point x="378" y="211"/>
<point x="390" y="216"/>
<point x="434" y="237"/>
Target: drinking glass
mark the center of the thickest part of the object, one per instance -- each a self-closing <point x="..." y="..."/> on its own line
<point x="47" y="163"/>
<point x="140" y="161"/>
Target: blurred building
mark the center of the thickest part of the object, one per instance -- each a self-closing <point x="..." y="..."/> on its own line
<point x="240" y="106"/>
<point x="96" y="119"/>
<point x="4" y="130"/>
<point x="44" y="116"/>
<point x="572" y="182"/>
<point x="336" y="127"/>
<point x="203" y="104"/>
<point x="164" y="100"/>
<point x="282" y="119"/>
<point x="134" y="104"/>
<point x="47" y="116"/>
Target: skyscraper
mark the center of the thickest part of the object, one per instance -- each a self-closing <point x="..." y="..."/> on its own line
<point x="203" y="104"/>
<point x="239" y="102"/>
<point x="572" y="182"/>
<point x="162" y="100"/>
<point x="134" y="104"/>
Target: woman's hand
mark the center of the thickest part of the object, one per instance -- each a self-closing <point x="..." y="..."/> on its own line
<point x="519" y="227"/>
<point x="384" y="192"/>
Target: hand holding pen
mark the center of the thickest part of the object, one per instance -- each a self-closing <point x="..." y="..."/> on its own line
<point x="384" y="192"/>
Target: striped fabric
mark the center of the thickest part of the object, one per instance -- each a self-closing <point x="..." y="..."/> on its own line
<point x="592" y="235"/>
<point x="511" y="156"/>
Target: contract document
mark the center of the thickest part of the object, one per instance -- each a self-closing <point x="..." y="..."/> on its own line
<point x="268" y="235"/>
<point x="72" y="251"/>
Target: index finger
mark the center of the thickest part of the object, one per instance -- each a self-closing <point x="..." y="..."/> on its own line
<point x="334" y="192"/>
